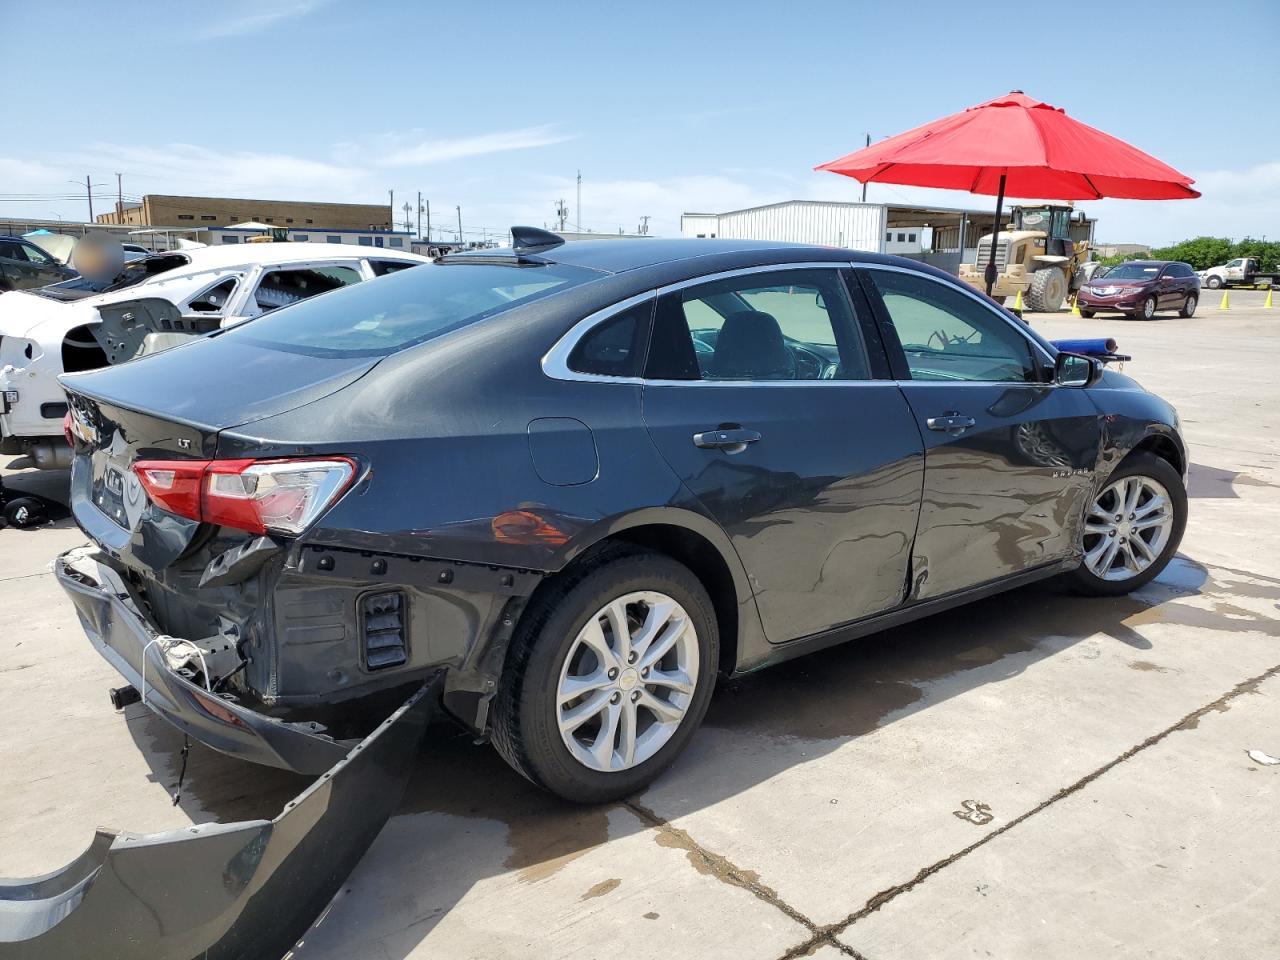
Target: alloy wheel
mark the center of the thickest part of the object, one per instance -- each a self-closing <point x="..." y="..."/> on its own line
<point x="627" y="682"/>
<point x="1127" y="528"/>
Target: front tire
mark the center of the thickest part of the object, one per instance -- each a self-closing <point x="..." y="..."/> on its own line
<point x="1148" y="309"/>
<point x="609" y="675"/>
<point x="1047" y="291"/>
<point x="1214" y="283"/>
<point x="1087" y="314"/>
<point x="1132" y="527"/>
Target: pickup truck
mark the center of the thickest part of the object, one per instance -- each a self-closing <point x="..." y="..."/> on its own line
<point x="1240" y="272"/>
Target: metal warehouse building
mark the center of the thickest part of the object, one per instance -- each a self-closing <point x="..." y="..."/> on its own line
<point x="942" y="236"/>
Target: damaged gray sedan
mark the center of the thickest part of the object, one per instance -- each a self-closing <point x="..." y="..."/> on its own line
<point x="560" y="488"/>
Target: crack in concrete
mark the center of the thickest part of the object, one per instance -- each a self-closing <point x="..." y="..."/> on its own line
<point x="1189" y="722"/>
<point x="712" y="864"/>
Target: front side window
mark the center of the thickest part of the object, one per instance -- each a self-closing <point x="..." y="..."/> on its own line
<point x="406" y="308"/>
<point x="948" y="335"/>
<point x="34" y="253"/>
<point x="784" y="325"/>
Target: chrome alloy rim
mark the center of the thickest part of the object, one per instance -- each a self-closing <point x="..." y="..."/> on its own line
<point x="627" y="682"/>
<point x="1127" y="528"/>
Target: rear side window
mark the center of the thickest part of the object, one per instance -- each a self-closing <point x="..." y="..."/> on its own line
<point x="406" y="308"/>
<point x="279" y="288"/>
<point x="613" y="347"/>
<point x="788" y="325"/>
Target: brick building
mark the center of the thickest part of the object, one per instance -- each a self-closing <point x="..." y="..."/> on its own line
<point x="160" y="210"/>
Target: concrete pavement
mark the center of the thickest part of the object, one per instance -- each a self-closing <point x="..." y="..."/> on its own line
<point x="1035" y="774"/>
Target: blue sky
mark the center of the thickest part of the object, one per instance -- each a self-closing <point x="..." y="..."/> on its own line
<point x="665" y="107"/>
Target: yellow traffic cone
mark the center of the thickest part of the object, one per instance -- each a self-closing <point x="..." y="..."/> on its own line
<point x="1226" y="301"/>
<point x="1017" y="304"/>
<point x="1075" y="306"/>
<point x="1266" y="305"/>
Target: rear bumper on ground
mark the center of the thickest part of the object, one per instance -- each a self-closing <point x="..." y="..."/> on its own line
<point x="244" y="890"/>
<point x="133" y="645"/>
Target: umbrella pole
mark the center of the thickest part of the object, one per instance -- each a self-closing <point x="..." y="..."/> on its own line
<point x="990" y="273"/>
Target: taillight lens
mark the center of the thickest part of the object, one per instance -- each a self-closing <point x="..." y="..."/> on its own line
<point x="280" y="496"/>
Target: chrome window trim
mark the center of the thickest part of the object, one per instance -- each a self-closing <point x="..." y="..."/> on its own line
<point x="555" y="362"/>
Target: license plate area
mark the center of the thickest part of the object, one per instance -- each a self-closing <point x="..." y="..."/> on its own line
<point x="116" y="492"/>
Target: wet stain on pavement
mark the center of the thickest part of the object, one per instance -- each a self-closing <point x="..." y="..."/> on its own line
<point x="456" y="776"/>
<point x="1146" y="666"/>
<point x="601" y="888"/>
<point x="849" y="690"/>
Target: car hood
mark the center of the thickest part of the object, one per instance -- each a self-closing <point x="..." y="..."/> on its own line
<point x="218" y="382"/>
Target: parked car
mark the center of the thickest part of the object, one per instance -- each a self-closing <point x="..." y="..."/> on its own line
<point x="154" y="303"/>
<point x="24" y="265"/>
<point x="1139" y="288"/>
<point x="584" y="480"/>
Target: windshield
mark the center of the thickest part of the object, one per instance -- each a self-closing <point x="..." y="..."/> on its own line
<point x="381" y="316"/>
<point x="1134" y="271"/>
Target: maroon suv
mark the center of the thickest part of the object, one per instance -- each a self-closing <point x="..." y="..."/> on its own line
<point x="1140" y="288"/>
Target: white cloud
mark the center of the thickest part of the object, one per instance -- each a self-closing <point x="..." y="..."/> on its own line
<point x="412" y="149"/>
<point x="258" y="20"/>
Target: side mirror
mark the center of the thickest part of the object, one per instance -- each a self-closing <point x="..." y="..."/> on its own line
<point x="1076" y="370"/>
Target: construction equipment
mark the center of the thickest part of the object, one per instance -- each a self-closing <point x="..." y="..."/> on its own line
<point x="1040" y="256"/>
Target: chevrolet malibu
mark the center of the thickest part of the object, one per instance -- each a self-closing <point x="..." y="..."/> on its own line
<point x="581" y="481"/>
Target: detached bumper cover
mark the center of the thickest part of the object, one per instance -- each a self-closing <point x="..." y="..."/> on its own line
<point x="246" y="891"/>
<point x="131" y="644"/>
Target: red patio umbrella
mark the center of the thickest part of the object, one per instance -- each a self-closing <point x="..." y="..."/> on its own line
<point x="1019" y="145"/>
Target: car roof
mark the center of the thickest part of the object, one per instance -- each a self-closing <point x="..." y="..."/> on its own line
<point x="619" y="256"/>
<point x="245" y="254"/>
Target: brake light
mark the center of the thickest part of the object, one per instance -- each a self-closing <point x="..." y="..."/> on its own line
<point x="66" y="429"/>
<point x="281" y="496"/>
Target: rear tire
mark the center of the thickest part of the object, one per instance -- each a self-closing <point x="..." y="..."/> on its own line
<point x="555" y="647"/>
<point x="1189" y="306"/>
<point x="1048" y="290"/>
<point x="1158" y="480"/>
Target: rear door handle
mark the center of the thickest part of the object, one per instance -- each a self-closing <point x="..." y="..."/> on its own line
<point x="951" y="422"/>
<point x="729" y="439"/>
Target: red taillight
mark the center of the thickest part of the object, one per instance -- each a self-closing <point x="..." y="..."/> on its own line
<point x="66" y="429"/>
<point x="282" y="496"/>
<point x="173" y="485"/>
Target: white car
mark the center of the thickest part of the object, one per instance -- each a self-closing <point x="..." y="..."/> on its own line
<point x="155" y="303"/>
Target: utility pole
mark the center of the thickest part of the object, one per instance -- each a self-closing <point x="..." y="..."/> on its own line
<point x="428" y="221"/>
<point x="119" y="199"/>
<point x="391" y="208"/>
<point x="644" y="226"/>
<point x="459" y="209"/>
<point x="864" y="184"/>
<point x="419" y="214"/>
<point x="406" y="209"/>
<point x="578" y="212"/>
<point x="88" y="189"/>
<point x="561" y="212"/>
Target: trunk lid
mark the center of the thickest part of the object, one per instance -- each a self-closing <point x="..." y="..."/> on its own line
<point x="172" y="406"/>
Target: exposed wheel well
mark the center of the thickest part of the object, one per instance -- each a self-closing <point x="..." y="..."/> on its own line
<point x="1165" y="449"/>
<point x="695" y="552"/>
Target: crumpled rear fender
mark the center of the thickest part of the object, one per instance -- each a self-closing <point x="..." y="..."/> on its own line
<point x="219" y="891"/>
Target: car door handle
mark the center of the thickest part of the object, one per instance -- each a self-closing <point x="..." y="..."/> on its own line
<point x="730" y="439"/>
<point x="951" y="422"/>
